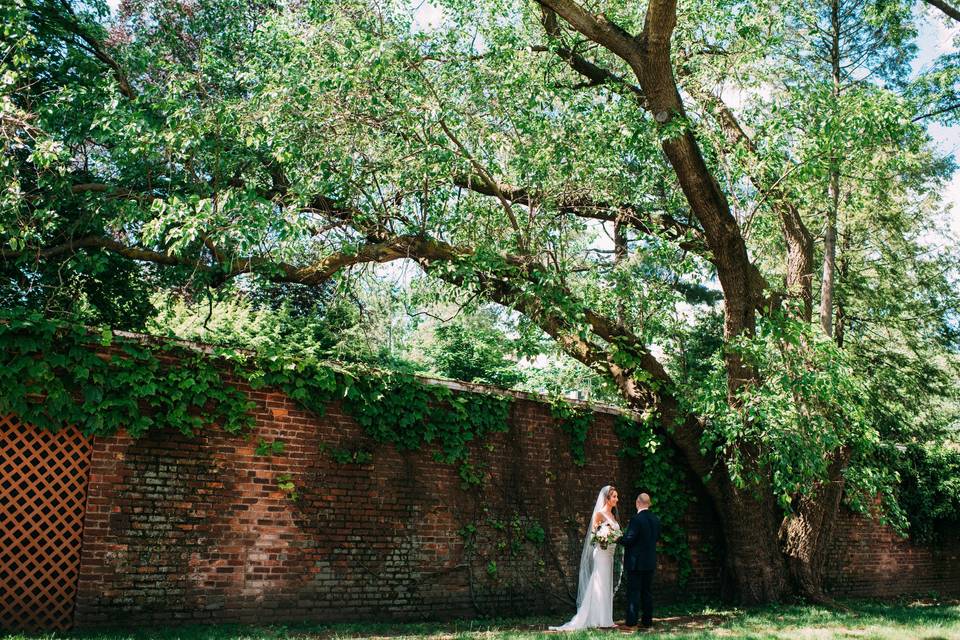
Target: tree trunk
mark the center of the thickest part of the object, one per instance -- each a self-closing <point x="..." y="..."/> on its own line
<point x="829" y="256"/>
<point x="830" y="232"/>
<point x="799" y="260"/>
<point x="620" y="255"/>
<point x="755" y="571"/>
<point x="843" y="268"/>
<point x="754" y="560"/>
<point x="806" y="534"/>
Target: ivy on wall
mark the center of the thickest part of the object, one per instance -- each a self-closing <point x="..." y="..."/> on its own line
<point x="54" y="373"/>
<point x="656" y="472"/>
<point x="575" y="421"/>
<point x="657" y="475"/>
<point x="393" y="408"/>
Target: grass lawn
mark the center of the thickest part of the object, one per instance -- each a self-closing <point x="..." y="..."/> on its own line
<point x="918" y="620"/>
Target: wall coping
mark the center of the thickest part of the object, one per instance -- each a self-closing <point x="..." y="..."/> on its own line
<point x="455" y="385"/>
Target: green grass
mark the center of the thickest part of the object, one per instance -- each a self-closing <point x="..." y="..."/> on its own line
<point x="861" y="620"/>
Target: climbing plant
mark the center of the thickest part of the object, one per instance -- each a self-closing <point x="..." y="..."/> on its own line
<point x="57" y="373"/>
<point x="575" y="422"/>
<point x="53" y="373"/>
<point x="392" y="407"/>
<point x="657" y="475"/>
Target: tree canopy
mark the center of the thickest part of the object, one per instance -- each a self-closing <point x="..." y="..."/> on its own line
<point x="730" y="213"/>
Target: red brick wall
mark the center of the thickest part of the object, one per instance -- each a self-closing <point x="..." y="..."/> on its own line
<point x="870" y="561"/>
<point x="197" y="529"/>
<point x="181" y="529"/>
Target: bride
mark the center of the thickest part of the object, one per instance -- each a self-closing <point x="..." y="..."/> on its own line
<point x="595" y="589"/>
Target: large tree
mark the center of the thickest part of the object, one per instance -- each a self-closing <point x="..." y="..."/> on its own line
<point x="226" y="140"/>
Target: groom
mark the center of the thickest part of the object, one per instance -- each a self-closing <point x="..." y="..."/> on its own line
<point x="640" y="561"/>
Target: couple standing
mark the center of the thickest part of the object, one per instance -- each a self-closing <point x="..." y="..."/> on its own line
<point x="595" y="588"/>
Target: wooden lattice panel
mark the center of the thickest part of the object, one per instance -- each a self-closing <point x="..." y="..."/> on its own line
<point x="43" y="487"/>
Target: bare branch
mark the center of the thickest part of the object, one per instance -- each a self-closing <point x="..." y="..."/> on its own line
<point x="94" y="46"/>
<point x="595" y="74"/>
<point x="946" y="8"/>
<point x="938" y="112"/>
<point x="651" y="222"/>
<point x="487" y="179"/>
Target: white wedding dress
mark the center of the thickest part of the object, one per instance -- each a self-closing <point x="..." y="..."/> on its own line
<point x="595" y="596"/>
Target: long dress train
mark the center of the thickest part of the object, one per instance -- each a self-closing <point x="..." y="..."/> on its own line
<point x="596" y="608"/>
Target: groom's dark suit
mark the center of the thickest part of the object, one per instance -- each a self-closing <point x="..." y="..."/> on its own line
<point x="640" y="561"/>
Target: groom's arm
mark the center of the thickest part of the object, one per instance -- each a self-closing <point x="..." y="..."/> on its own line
<point x="632" y="535"/>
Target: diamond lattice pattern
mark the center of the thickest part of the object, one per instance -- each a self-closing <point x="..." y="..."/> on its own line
<point x="43" y="486"/>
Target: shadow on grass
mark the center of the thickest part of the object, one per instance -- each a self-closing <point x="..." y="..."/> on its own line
<point x="691" y="621"/>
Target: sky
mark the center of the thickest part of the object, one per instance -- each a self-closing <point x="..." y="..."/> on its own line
<point x="936" y="39"/>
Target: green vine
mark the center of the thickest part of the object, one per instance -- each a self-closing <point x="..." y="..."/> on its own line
<point x="394" y="408"/>
<point x="657" y="473"/>
<point x="575" y="422"/>
<point x="496" y="542"/>
<point x="286" y="485"/>
<point x="54" y="374"/>
<point x="265" y="448"/>
<point x="351" y="456"/>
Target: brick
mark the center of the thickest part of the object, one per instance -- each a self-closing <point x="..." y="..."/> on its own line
<point x="196" y="529"/>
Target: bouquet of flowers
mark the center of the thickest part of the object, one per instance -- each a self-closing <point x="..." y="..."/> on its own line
<point x="605" y="535"/>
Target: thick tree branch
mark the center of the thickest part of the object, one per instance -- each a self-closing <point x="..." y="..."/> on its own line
<point x="111" y="191"/>
<point x="597" y="28"/>
<point x="428" y="252"/>
<point x="314" y="274"/>
<point x="946" y="8"/>
<point x="100" y="242"/>
<point x="798" y="238"/>
<point x="595" y="74"/>
<point x="688" y="238"/>
<point x="649" y="58"/>
<point x="72" y="24"/>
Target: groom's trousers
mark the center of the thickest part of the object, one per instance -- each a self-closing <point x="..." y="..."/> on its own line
<point x="639" y="597"/>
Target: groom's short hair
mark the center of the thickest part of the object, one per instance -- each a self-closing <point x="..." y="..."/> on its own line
<point x="644" y="498"/>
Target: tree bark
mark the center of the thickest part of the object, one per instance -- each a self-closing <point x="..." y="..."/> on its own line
<point x="754" y="568"/>
<point x="946" y="8"/>
<point x="829" y="255"/>
<point x="620" y="254"/>
<point x="799" y="263"/>
<point x="843" y="269"/>
<point x="830" y="230"/>
<point x="753" y="559"/>
<point x="806" y="534"/>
